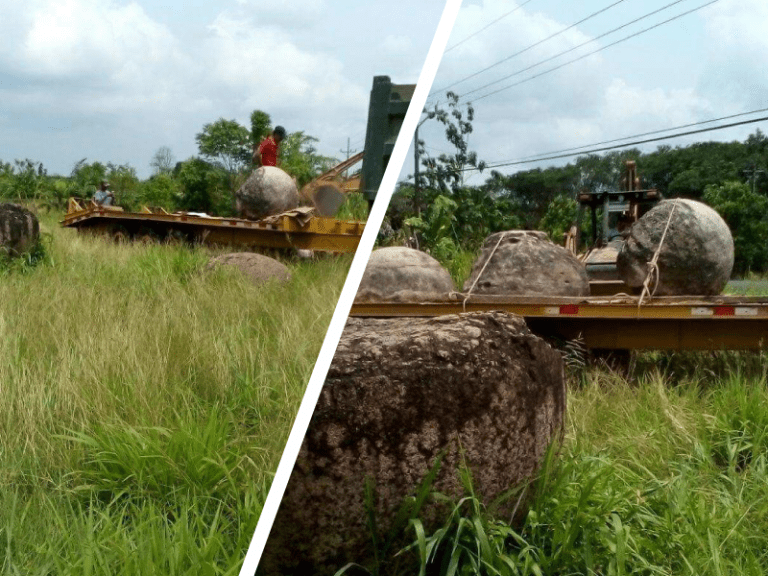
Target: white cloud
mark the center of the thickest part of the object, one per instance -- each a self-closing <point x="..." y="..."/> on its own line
<point x="397" y="44"/>
<point x="267" y="68"/>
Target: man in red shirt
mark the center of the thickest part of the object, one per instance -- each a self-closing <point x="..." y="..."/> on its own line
<point x="265" y="154"/>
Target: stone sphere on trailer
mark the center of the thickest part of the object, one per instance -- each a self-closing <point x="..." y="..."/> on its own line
<point x="479" y="389"/>
<point x="696" y="257"/>
<point x="399" y="272"/>
<point x="526" y="262"/>
<point x="266" y="192"/>
<point x="19" y="230"/>
<point x="258" y="268"/>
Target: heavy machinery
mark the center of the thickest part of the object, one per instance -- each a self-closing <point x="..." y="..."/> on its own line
<point x="612" y="212"/>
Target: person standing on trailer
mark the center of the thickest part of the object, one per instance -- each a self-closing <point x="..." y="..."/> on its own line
<point x="265" y="154"/>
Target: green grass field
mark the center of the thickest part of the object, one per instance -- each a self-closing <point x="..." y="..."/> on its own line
<point x="145" y="403"/>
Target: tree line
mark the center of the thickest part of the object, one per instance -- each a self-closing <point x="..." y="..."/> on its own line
<point x="203" y="183"/>
<point x="448" y="216"/>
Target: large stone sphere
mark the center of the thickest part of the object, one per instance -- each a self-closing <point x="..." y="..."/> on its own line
<point x="268" y="191"/>
<point x="526" y="263"/>
<point x="696" y="257"/>
<point x="399" y="272"/>
<point x="258" y="268"/>
<point x="19" y="230"/>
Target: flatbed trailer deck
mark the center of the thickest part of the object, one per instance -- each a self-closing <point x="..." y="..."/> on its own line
<point x="298" y="229"/>
<point x="617" y="323"/>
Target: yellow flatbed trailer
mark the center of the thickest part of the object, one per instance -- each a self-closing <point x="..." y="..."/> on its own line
<point x="618" y="323"/>
<point x="299" y="228"/>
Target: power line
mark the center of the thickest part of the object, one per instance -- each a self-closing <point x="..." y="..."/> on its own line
<point x="534" y="45"/>
<point x="645" y="134"/>
<point x="460" y="42"/>
<point x="584" y="55"/>
<point x="635" y="143"/>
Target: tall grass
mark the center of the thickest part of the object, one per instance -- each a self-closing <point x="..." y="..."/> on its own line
<point x="658" y="476"/>
<point x="145" y="403"/>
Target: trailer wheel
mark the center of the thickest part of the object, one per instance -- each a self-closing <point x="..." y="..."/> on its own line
<point x="120" y="235"/>
<point x="619" y="360"/>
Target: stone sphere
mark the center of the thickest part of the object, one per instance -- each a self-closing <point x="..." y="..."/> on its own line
<point x="526" y="263"/>
<point x="399" y="272"/>
<point x="479" y="389"/>
<point x="266" y="192"/>
<point x="256" y="267"/>
<point x="19" y="230"/>
<point x="696" y="257"/>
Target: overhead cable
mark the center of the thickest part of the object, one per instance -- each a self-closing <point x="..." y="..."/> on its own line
<point x="625" y="145"/>
<point x="533" y="46"/>
<point x="582" y="56"/>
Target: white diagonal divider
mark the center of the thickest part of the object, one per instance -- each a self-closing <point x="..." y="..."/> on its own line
<point x="348" y="292"/>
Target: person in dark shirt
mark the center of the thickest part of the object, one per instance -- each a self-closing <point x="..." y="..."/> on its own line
<point x="265" y="154"/>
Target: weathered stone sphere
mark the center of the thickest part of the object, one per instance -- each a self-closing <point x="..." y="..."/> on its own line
<point x="400" y="391"/>
<point x="696" y="257"/>
<point x="399" y="272"/>
<point x="266" y="192"/>
<point x="256" y="267"/>
<point x="527" y="263"/>
<point x="19" y="230"/>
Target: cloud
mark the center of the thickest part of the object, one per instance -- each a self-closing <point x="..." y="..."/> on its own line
<point x="265" y="68"/>
<point x="289" y="15"/>
<point x="397" y="44"/>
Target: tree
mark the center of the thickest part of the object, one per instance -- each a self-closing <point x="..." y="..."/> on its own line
<point x="746" y="214"/>
<point x="446" y="172"/>
<point x="225" y="143"/>
<point x="163" y="160"/>
<point x="261" y="126"/>
<point x="300" y="159"/>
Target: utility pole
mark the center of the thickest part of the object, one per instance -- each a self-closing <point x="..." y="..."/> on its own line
<point x="416" y="162"/>
<point x="348" y="152"/>
<point x="755" y="172"/>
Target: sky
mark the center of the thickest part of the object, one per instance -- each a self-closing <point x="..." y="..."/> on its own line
<point x="707" y="64"/>
<point x="115" y="80"/>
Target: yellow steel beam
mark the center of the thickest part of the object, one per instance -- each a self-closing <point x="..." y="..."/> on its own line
<point x="671" y="323"/>
<point x="293" y="230"/>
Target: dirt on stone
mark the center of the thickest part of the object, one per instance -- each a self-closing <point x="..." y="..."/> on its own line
<point x="267" y="191"/>
<point x="19" y="230"/>
<point x="403" y="273"/>
<point x="695" y="258"/>
<point x="400" y="391"/>
<point x="526" y="262"/>
<point x="256" y="267"/>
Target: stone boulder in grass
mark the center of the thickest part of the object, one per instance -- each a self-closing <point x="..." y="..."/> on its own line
<point x="403" y="273"/>
<point x="399" y="392"/>
<point x="19" y="230"/>
<point x="696" y="257"/>
<point x="266" y="192"/>
<point x="526" y="262"/>
<point x="256" y="267"/>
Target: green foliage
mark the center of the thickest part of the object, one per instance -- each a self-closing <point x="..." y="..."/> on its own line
<point x="160" y="190"/>
<point x="300" y="159"/>
<point x="261" y="126"/>
<point x="746" y="213"/>
<point x="225" y="143"/>
<point x="560" y="215"/>
<point x="203" y="188"/>
<point x="355" y="207"/>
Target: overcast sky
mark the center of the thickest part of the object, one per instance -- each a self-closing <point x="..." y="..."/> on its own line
<point x="708" y="64"/>
<point x="114" y="80"/>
